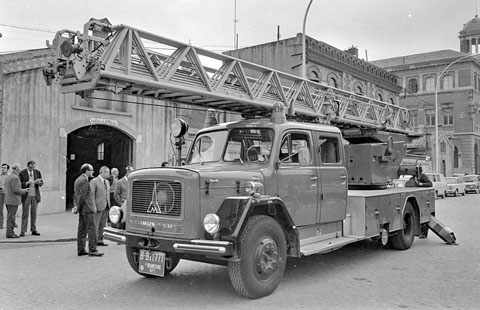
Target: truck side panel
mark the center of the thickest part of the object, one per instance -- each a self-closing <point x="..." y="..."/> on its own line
<point x="371" y="210"/>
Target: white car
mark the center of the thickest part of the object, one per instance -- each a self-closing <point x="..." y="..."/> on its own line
<point x="455" y="186"/>
<point x="439" y="183"/>
<point x="472" y="183"/>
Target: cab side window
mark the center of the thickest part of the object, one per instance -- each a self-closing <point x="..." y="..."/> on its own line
<point x="296" y="149"/>
<point x="329" y="149"/>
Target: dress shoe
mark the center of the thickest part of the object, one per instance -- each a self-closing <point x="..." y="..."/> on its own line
<point x="22" y="234"/>
<point x="13" y="236"/>
<point x="95" y="253"/>
<point x="82" y="253"/>
<point x="102" y="244"/>
<point x="35" y="233"/>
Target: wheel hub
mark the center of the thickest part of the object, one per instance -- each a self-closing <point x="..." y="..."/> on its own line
<point x="266" y="258"/>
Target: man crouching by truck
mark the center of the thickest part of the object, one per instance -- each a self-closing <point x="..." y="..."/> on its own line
<point x="420" y="179"/>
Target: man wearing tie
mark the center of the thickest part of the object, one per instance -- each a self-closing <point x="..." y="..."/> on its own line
<point x="31" y="179"/>
<point x="101" y="194"/>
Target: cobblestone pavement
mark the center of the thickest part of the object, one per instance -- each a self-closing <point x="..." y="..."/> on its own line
<point x="430" y="275"/>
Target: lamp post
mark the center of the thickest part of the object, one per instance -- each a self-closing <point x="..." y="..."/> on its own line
<point x="304" y="43"/>
<point x="437" y="86"/>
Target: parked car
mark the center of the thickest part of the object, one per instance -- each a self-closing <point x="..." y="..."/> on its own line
<point x="472" y="183"/>
<point x="455" y="186"/>
<point x="439" y="183"/>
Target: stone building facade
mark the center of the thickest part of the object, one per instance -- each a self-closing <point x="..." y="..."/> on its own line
<point x="63" y="131"/>
<point x="325" y="64"/>
<point x="455" y="78"/>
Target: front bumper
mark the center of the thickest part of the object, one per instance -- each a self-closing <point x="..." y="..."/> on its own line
<point x="210" y="248"/>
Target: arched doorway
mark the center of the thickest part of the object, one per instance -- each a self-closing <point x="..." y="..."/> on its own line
<point x="98" y="145"/>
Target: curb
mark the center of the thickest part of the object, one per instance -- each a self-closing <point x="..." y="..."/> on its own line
<point x="39" y="241"/>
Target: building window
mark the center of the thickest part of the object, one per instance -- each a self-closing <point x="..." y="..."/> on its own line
<point x="455" y="158"/>
<point x="448" y="116"/>
<point x="392" y="101"/>
<point x="430" y="117"/>
<point x="448" y="82"/>
<point x="430" y="84"/>
<point x="359" y="90"/>
<point x="412" y="86"/>
<point x="379" y="97"/>
<point x="414" y="115"/>
<point x="333" y="82"/>
<point x="101" y="151"/>
<point x="443" y="148"/>
<point x="314" y="77"/>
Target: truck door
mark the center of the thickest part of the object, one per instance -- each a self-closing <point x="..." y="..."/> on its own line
<point x="297" y="176"/>
<point x="332" y="177"/>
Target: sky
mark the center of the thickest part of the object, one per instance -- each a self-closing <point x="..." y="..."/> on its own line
<point x="378" y="28"/>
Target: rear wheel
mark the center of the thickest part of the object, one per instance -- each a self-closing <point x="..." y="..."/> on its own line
<point x="263" y="255"/>
<point x="132" y="257"/>
<point x="403" y="238"/>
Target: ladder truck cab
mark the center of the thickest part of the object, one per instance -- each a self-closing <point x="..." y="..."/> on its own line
<point x="308" y="170"/>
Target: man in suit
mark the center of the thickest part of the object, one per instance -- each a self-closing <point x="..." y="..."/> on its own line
<point x="31" y="179"/>
<point x="101" y="194"/>
<point x="121" y="191"/>
<point x="13" y="192"/>
<point x="85" y="207"/>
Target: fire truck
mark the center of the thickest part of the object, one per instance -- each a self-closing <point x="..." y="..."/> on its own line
<point x="307" y="170"/>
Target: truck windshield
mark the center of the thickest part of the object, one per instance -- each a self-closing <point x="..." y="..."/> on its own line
<point x="208" y="147"/>
<point x="249" y="145"/>
<point x="242" y="145"/>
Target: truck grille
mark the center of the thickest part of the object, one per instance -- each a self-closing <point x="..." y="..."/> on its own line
<point x="157" y="197"/>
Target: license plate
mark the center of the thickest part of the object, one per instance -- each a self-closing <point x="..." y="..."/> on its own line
<point x="152" y="262"/>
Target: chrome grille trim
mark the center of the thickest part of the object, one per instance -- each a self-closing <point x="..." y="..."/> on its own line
<point x="157" y="197"/>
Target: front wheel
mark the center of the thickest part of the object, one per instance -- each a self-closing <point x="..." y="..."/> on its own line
<point x="263" y="256"/>
<point x="132" y="257"/>
<point x="403" y="238"/>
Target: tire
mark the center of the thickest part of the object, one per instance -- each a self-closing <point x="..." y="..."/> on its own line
<point x="263" y="257"/>
<point x="463" y="194"/>
<point x="455" y="194"/>
<point x="403" y="238"/>
<point x="132" y="257"/>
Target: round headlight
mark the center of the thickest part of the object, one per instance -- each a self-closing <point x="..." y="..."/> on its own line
<point x="179" y="128"/>
<point x="115" y="214"/>
<point x="211" y="223"/>
<point x="250" y="188"/>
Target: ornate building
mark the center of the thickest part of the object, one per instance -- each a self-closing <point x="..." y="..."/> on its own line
<point x="455" y="78"/>
<point x="325" y="64"/>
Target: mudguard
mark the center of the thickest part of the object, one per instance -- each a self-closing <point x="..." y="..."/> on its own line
<point x="235" y="211"/>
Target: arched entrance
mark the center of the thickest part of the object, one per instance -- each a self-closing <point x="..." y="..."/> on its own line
<point x="98" y="145"/>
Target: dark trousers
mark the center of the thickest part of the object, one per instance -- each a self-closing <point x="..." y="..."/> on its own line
<point x="86" y="226"/>
<point x="11" y="213"/>
<point x="29" y="206"/>
<point x="2" y="203"/>
<point x="100" y="223"/>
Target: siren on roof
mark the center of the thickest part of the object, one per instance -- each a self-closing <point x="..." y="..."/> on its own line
<point x="278" y="117"/>
<point x="211" y="118"/>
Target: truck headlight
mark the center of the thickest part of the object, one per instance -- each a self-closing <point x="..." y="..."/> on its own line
<point x="253" y="187"/>
<point x="115" y="214"/>
<point x="211" y="223"/>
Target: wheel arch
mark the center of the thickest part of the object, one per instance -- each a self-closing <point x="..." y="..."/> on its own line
<point x="268" y="206"/>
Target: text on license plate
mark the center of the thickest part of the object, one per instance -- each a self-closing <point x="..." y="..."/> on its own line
<point x="151" y="262"/>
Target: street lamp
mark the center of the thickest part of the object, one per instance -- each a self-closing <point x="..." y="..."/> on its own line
<point x="437" y="85"/>
<point x="304" y="43"/>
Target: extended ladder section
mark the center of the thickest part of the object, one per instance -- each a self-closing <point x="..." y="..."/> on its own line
<point x="129" y="61"/>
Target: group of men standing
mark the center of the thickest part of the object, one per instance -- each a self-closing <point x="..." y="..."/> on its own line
<point x="20" y="187"/>
<point x="92" y="201"/>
